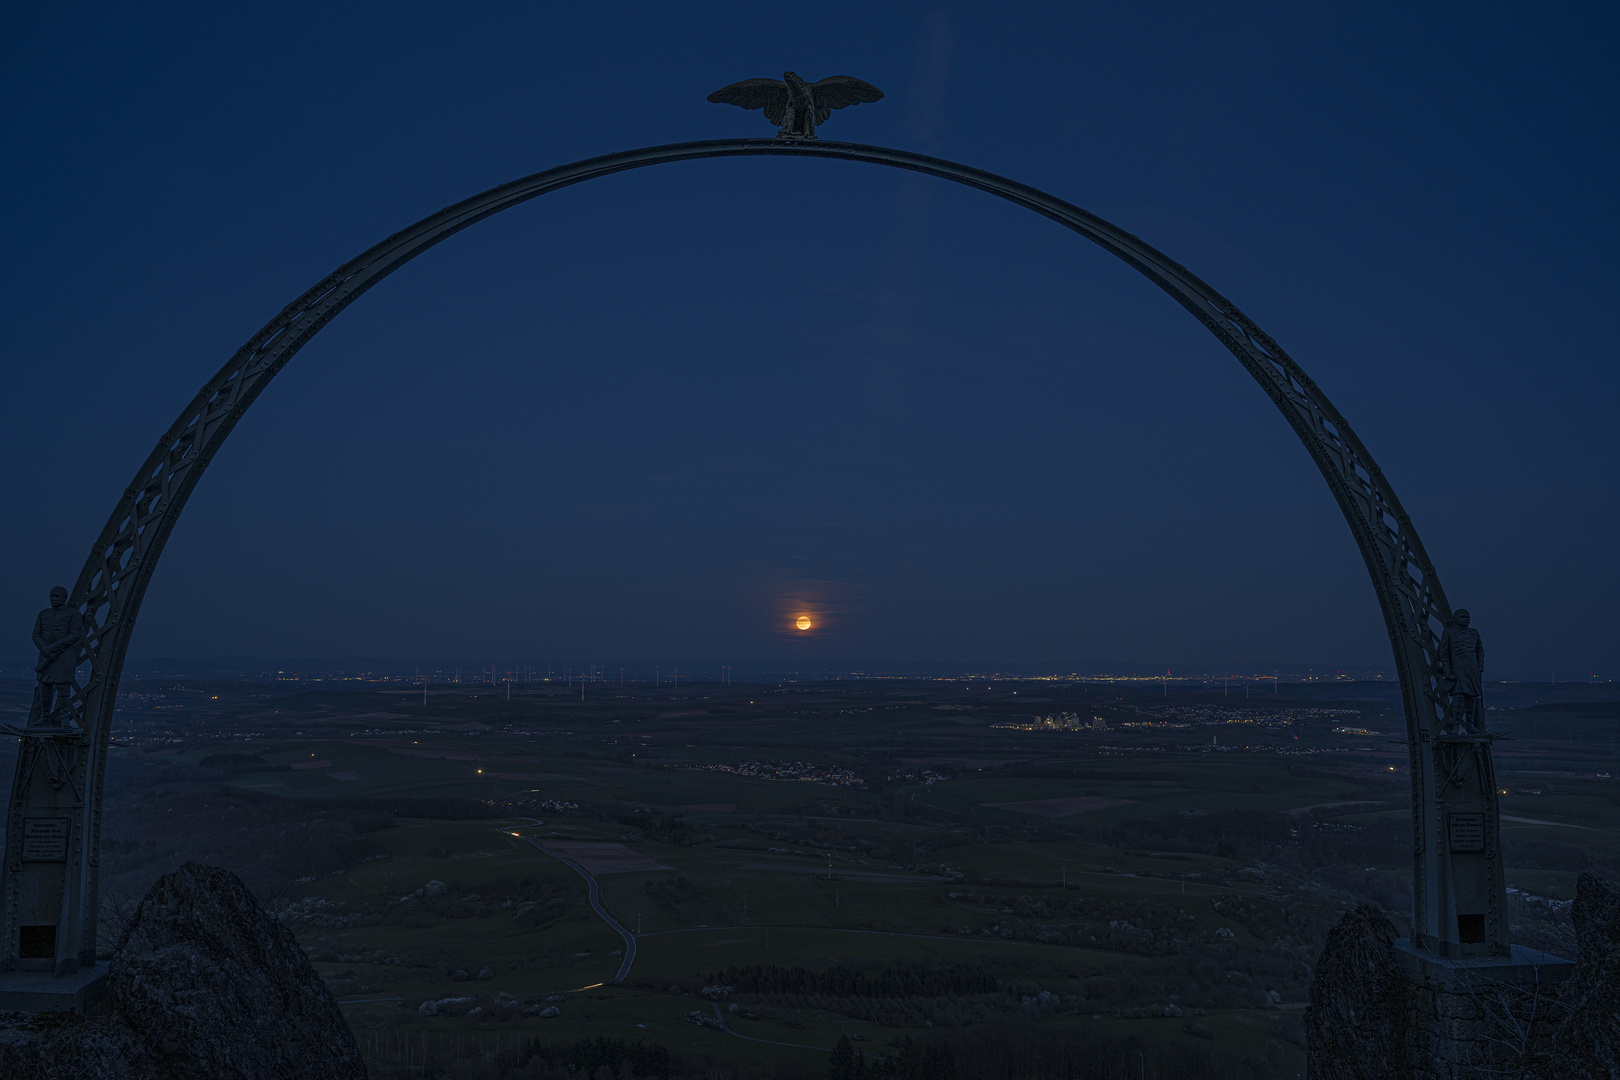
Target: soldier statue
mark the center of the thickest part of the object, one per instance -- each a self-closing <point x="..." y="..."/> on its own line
<point x="58" y="633"/>
<point x="1460" y="660"/>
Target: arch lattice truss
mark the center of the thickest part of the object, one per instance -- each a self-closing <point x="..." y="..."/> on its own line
<point x="115" y="577"/>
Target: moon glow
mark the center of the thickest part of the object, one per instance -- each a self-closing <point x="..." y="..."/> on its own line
<point x="803" y="622"/>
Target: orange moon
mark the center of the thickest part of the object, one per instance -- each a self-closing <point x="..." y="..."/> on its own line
<point x="803" y="622"/>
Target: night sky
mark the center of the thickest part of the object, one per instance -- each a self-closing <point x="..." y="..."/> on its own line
<point x="659" y="415"/>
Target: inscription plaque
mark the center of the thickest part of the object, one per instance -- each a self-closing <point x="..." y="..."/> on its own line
<point x="45" y="839"/>
<point x="1467" y="832"/>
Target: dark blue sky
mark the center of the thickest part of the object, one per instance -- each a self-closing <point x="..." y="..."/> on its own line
<point x="654" y="415"/>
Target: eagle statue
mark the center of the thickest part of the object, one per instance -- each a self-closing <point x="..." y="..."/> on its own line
<point x="794" y="105"/>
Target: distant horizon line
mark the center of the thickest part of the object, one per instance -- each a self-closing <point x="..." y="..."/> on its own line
<point x="606" y="670"/>
<point x="508" y="665"/>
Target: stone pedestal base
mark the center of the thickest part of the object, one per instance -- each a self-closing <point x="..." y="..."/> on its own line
<point x="1481" y="1013"/>
<point x="1526" y="967"/>
<point x="27" y="991"/>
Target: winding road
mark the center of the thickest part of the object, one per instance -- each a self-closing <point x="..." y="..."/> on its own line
<point x="596" y="905"/>
<point x="623" y="973"/>
<point x="595" y="895"/>
<point x="630" y="940"/>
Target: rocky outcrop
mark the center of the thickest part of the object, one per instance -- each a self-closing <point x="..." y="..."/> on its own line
<point x="1361" y="1021"/>
<point x="203" y="983"/>
<point x="1586" y="1042"/>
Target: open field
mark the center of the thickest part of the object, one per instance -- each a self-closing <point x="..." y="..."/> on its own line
<point x="1168" y="883"/>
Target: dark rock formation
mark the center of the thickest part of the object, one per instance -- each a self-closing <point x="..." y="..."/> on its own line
<point x="1360" y="1023"/>
<point x="203" y="983"/>
<point x="209" y="979"/>
<point x="1586" y="1043"/>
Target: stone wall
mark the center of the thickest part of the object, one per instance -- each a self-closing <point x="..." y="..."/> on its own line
<point x="1484" y="1022"/>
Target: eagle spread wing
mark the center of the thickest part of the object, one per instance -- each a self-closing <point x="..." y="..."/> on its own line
<point x="768" y="94"/>
<point x="836" y="92"/>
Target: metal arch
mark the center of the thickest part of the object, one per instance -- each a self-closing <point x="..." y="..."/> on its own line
<point x="114" y="579"/>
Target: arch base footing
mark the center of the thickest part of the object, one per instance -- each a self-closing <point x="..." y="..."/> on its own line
<point x="37" y="991"/>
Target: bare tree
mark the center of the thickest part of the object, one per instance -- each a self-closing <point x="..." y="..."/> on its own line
<point x="1512" y="1018"/>
<point x="113" y="918"/>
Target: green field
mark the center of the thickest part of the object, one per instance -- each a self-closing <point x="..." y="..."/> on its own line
<point x="1167" y="885"/>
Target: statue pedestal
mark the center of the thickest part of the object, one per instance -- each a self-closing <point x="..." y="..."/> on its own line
<point x="1471" y="1009"/>
<point x="29" y="991"/>
<point x="1526" y="968"/>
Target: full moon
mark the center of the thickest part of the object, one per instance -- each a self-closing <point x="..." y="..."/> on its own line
<point x="803" y="622"/>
